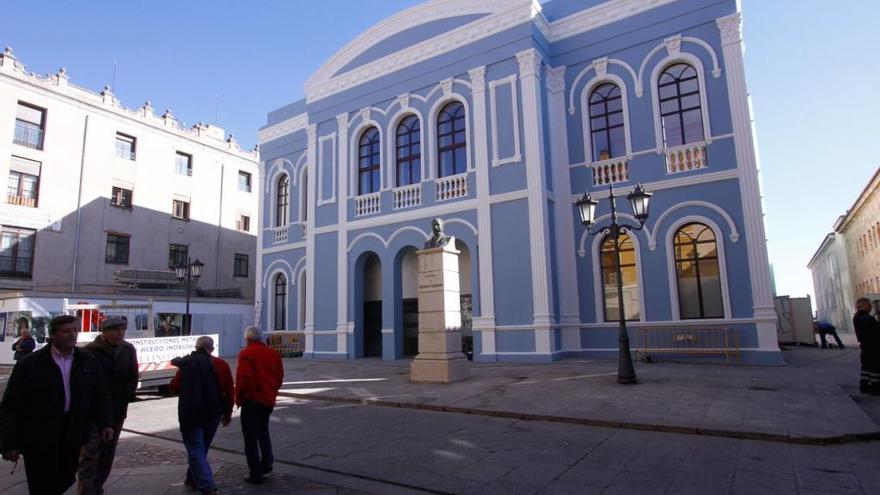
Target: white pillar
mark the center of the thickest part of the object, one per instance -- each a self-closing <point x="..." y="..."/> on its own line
<point x="312" y="132"/>
<point x="342" y="236"/>
<point x="530" y="75"/>
<point x="485" y="322"/>
<point x="258" y="279"/>
<point x="747" y="165"/>
<point x="566" y="262"/>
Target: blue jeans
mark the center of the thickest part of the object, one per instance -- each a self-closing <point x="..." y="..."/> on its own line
<point x="257" y="444"/>
<point x="197" y="442"/>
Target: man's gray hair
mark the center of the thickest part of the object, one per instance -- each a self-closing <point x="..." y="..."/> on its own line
<point x="253" y="333"/>
<point x="205" y="342"/>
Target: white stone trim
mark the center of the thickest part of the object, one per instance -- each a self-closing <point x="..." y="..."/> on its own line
<point x="303" y="175"/>
<point x="598" y="289"/>
<point x="270" y="314"/>
<point x="386" y="242"/>
<point x="585" y="115"/>
<point x="678" y="323"/>
<point x="342" y="234"/>
<point x="582" y="243"/>
<point x="655" y="96"/>
<point x="312" y="132"/>
<point x="393" y="123"/>
<point x="652" y="234"/>
<point x="508" y="196"/>
<point x="673" y="276"/>
<point x="497" y="160"/>
<point x="688" y="180"/>
<point x="415" y="214"/>
<point x="432" y="132"/>
<point x="321" y="164"/>
<point x="601" y="15"/>
<point x="283" y="128"/>
<point x="601" y="68"/>
<point x="284" y="247"/>
<point x="673" y="49"/>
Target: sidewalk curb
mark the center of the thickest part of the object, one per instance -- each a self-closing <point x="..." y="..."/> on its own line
<point x="687" y="430"/>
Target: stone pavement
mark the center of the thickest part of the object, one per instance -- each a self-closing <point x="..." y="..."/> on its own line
<point x="808" y="401"/>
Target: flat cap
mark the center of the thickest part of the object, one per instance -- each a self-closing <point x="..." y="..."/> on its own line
<point x="113" y="322"/>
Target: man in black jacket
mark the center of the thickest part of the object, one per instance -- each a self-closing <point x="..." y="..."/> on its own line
<point x="117" y="360"/>
<point x="51" y="398"/>
<point x="868" y="332"/>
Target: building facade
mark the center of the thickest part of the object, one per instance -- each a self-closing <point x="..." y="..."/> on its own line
<point x="832" y="284"/>
<point x="103" y="201"/>
<point x="497" y="116"/>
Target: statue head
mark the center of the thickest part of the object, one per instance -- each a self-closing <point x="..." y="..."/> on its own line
<point x="437" y="225"/>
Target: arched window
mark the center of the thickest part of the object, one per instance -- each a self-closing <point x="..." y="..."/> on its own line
<point x="629" y="271"/>
<point x="451" y="140"/>
<point x="698" y="274"/>
<point x="680" y="111"/>
<point x="280" y="322"/>
<point x="606" y="122"/>
<point x="368" y="162"/>
<point x="409" y="155"/>
<point x="281" y="201"/>
<point x="304" y="197"/>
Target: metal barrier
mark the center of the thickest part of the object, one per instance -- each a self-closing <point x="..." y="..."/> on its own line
<point x="288" y="344"/>
<point x="670" y="340"/>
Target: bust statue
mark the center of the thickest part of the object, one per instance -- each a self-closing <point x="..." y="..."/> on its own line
<point x="438" y="239"/>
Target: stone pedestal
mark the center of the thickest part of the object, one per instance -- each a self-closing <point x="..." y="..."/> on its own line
<point x="440" y="359"/>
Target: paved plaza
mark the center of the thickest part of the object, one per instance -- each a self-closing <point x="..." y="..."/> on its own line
<point x="360" y="427"/>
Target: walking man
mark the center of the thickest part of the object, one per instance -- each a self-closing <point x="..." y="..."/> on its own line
<point x="257" y="380"/>
<point x="204" y="384"/>
<point x="24" y="345"/>
<point x="868" y="333"/>
<point x="52" y="397"/>
<point x="117" y="362"/>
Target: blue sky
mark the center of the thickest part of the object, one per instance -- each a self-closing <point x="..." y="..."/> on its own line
<point x="812" y="71"/>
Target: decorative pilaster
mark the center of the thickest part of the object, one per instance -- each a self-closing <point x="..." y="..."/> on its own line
<point x="312" y="133"/>
<point x="258" y="294"/>
<point x="530" y="76"/>
<point x="342" y="237"/>
<point x="485" y="322"/>
<point x="566" y="261"/>
<point x="749" y="185"/>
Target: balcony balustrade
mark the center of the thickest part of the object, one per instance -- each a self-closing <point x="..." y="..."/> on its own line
<point x="686" y="158"/>
<point x="454" y="186"/>
<point x="407" y="196"/>
<point x="280" y="234"/>
<point x="610" y="171"/>
<point x="367" y="204"/>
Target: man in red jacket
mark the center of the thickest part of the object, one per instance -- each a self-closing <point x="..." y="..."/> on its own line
<point x="257" y="380"/>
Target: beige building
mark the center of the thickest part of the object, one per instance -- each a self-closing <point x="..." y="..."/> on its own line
<point x="860" y="228"/>
<point x="103" y="200"/>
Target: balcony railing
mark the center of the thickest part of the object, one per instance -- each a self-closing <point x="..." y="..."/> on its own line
<point x="27" y="134"/>
<point x="686" y="158"/>
<point x="367" y="204"/>
<point x="279" y="234"/>
<point x="610" y="172"/>
<point x="407" y="196"/>
<point x="454" y="186"/>
<point x="21" y="200"/>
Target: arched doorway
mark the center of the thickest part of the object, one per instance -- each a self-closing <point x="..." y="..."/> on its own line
<point x="372" y="307"/>
<point x="408" y="313"/>
<point x="465" y="286"/>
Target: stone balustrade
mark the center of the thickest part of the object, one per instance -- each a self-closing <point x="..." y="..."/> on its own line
<point x="686" y="158"/>
<point x="407" y="196"/>
<point x="367" y="204"/>
<point x="610" y="171"/>
<point x="279" y="234"/>
<point x="454" y="186"/>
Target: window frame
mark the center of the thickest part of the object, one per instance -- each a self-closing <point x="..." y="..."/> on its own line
<point x="718" y="258"/>
<point x="243" y="223"/>
<point x="116" y="200"/>
<point x="30" y="126"/>
<point x="249" y="181"/>
<point x="606" y="115"/>
<point x="634" y="247"/>
<point x="177" y="256"/>
<point x="186" y="209"/>
<point x="369" y="160"/>
<point x="19" y="198"/>
<point x="189" y="163"/>
<point x="131" y="140"/>
<point x="443" y="116"/>
<point x="678" y="97"/>
<point x="20" y="232"/>
<point x="240" y="260"/>
<point x="282" y="200"/>
<point x="279" y="292"/>
<point x="413" y="159"/>
<point x="115" y="239"/>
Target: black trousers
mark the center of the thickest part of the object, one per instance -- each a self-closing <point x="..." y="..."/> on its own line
<point x="257" y="444"/>
<point x="51" y="472"/>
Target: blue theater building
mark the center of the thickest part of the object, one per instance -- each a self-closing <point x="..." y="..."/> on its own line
<point x="497" y="115"/>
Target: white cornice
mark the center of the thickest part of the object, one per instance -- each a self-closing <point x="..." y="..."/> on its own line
<point x="283" y="128"/>
<point x="600" y="15"/>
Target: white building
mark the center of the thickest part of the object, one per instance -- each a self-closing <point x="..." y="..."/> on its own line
<point x="832" y="283"/>
<point x="102" y="201"/>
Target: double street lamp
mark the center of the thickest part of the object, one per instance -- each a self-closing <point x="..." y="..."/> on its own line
<point x="639" y="200"/>
<point x="189" y="272"/>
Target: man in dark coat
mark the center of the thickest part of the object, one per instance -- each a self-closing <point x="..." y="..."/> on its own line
<point x="24" y="345"/>
<point x="868" y="332"/>
<point x="117" y="360"/>
<point x="51" y="398"/>
<point x="199" y="410"/>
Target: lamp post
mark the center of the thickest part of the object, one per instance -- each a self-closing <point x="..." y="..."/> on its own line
<point x="639" y="200"/>
<point x="189" y="272"/>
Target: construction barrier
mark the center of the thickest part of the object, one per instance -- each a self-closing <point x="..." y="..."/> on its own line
<point x="288" y="344"/>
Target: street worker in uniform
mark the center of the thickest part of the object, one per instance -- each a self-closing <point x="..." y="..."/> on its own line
<point x="117" y="361"/>
<point x="257" y="380"/>
<point x="204" y="384"/>
<point x="868" y="332"/>
<point x="52" y="397"/>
